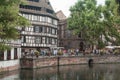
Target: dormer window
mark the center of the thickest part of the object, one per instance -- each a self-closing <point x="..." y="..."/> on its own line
<point x="31" y="7"/>
<point x="49" y="11"/>
<point x="48" y="3"/>
<point x="34" y="0"/>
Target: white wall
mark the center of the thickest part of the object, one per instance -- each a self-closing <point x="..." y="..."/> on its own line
<point x="9" y="63"/>
<point x="12" y="53"/>
<point x="19" y="52"/>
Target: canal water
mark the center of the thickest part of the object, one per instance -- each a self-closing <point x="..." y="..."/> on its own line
<point x="71" y="72"/>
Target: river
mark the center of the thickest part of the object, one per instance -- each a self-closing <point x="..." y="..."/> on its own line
<point x="71" y="72"/>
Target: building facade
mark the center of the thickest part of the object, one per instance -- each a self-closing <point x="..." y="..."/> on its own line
<point x="9" y="59"/>
<point x="66" y="38"/>
<point x="42" y="34"/>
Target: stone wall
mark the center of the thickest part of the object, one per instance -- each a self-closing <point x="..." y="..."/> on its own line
<point x="38" y="62"/>
<point x="57" y="61"/>
<point x="9" y="65"/>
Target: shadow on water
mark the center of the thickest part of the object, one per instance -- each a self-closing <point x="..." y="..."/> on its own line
<point x="71" y="72"/>
<point x="91" y="65"/>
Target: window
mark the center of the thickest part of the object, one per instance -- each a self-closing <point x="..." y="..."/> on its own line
<point x="27" y="39"/>
<point x="24" y="39"/>
<point x="47" y="40"/>
<point x="50" y="30"/>
<point x="43" y="40"/>
<point x="56" y="32"/>
<point x="34" y="0"/>
<point x="53" y="31"/>
<point x="15" y="53"/>
<point x="44" y="19"/>
<point x="1" y="55"/>
<point x="49" y="20"/>
<point x="55" y="22"/>
<point x="45" y="29"/>
<point x="53" y="41"/>
<point x="8" y="54"/>
<point x="30" y="17"/>
<point x="38" y="18"/>
<point x="31" y="7"/>
<point x="48" y="3"/>
<point x="50" y="40"/>
<point x="49" y="11"/>
<point x="38" y="40"/>
<point x="35" y="18"/>
<point x="36" y="29"/>
<point x="41" y="29"/>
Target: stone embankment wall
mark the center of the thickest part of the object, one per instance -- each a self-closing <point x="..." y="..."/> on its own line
<point x="70" y="60"/>
<point x="9" y="65"/>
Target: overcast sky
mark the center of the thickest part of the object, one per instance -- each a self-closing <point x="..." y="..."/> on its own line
<point x="64" y="5"/>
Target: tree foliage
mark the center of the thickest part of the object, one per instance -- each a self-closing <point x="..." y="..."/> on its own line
<point x="99" y="24"/>
<point x="10" y="20"/>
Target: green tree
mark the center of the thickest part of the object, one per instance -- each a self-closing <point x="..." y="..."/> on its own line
<point x="111" y="22"/>
<point x="97" y="23"/>
<point x="10" y="20"/>
<point x="118" y="2"/>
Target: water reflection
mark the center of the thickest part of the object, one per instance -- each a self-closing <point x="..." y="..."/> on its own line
<point x="74" y="72"/>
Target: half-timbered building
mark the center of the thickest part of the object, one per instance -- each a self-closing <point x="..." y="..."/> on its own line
<point x="42" y="34"/>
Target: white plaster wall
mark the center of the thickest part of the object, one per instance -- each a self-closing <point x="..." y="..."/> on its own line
<point x="9" y="63"/>
<point x="12" y="53"/>
<point x="5" y="55"/>
<point x="19" y="52"/>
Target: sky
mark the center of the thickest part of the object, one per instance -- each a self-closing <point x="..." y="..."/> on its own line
<point x="64" y="5"/>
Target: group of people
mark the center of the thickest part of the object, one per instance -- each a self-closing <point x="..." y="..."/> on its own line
<point x="54" y="52"/>
<point x="66" y="52"/>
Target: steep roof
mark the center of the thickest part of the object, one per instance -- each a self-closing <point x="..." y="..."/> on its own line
<point x="60" y="15"/>
<point x="44" y="8"/>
